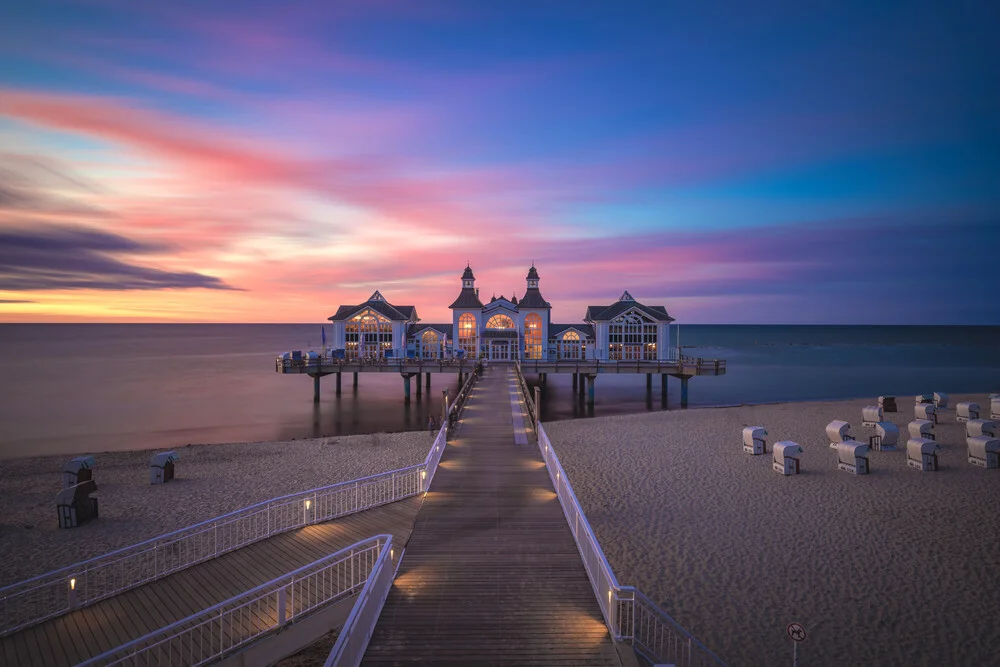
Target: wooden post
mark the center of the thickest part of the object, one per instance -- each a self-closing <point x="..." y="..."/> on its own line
<point x="406" y="388"/>
<point x="576" y="379"/>
<point x="428" y="379"/>
<point x="663" y="388"/>
<point x="684" y="392"/>
<point x="338" y="383"/>
<point x="419" y="384"/>
<point x="538" y="407"/>
<point x="355" y="379"/>
<point x="649" y="383"/>
<point x="590" y="390"/>
<point x="316" y="388"/>
<point x="444" y="406"/>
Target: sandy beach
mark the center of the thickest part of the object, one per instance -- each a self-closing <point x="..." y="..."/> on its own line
<point x="211" y="480"/>
<point x="895" y="567"/>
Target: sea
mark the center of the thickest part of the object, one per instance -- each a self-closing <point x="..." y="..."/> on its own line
<point x="86" y="388"/>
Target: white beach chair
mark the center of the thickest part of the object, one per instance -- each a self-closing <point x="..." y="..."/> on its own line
<point x="994" y="406"/>
<point x="965" y="411"/>
<point x="871" y="415"/>
<point x="984" y="451"/>
<point x="926" y="411"/>
<point x="921" y="428"/>
<point x="885" y="438"/>
<point x="925" y="398"/>
<point x="941" y="400"/>
<point x="838" y="431"/>
<point x="786" y="457"/>
<point x="78" y="470"/>
<point x="852" y="456"/>
<point x="921" y="454"/>
<point x="754" y="440"/>
<point x="980" y="427"/>
<point x="161" y="467"/>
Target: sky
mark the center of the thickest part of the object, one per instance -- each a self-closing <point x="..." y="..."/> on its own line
<point x="736" y="162"/>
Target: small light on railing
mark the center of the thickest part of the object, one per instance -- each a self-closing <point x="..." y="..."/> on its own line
<point x="423" y="474"/>
<point x="392" y="553"/>
<point x="609" y="597"/>
<point x="72" y="584"/>
<point x="308" y="504"/>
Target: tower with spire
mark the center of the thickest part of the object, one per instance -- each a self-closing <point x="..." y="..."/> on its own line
<point x="534" y="317"/>
<point x="467" y="315"/>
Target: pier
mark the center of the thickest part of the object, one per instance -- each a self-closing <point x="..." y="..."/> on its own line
<point x="585" y="371"/>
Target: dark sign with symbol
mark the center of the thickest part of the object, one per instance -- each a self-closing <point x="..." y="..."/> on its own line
<point x="796" y="631"/>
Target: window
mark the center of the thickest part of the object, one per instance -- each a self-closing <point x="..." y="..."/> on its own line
<point x="569" y="346"/>
<point x="430" y="344"/>
<point x="500" y="322"/>
<point x="632" y="337"/>
<point x="367" y="334"/>
<point x="467" y="335"/>
<point x="533" y="336"/>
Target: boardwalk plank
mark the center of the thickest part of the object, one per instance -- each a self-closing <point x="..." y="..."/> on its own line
<point x="491" y="574"/>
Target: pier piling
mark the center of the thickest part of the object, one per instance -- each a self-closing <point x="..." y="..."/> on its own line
<point x="684" y="392"/>
<point x="576" y="379"/>
<point x="355" y="379"/>
<point x="419" y="383"/>
<point x="592" y="379"/>
<point x="406" y="388"/>
<point x="663" y="388"/>
<point x="649" y="383"/>
<point x="316" y="388"/>
<point x="338" y="384"/>
<point x="428" y="379"/>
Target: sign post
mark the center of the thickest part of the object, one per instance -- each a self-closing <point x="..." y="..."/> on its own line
<point x="798" y="634"/>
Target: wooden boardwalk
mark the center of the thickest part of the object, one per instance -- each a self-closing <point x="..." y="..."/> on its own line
<point x="491" y="574"/>
<point x="90" y="631"/>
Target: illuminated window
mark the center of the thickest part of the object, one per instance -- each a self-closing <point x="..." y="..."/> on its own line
<point x="430" y="344"/>
<point x="632" y="337"/>
<point x="367" y="334"/>
<point x="533" y="336"/>
<point x="500" y="322"/>
<point x="569" y="346"/>
<point x="467" y="337"/>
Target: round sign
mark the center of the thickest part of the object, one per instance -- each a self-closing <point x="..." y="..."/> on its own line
<point x="796" y="631"/>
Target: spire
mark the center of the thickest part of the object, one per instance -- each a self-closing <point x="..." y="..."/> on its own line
<point x="377" y="296"/>
<point x="626" y="296"/>
<point x="468" y="299"/>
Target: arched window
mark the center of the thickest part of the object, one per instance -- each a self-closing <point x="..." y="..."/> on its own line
<point x="533" y="336"/>
<point x="467" y="335"/>
<point x="367" y="334"/>
<point x="500" y="321"/>
<point x="569" y="346"/>
<point x="632" y="336"/>
<point x="430" y="344"/>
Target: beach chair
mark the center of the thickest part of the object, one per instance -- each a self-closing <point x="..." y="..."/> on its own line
<point x="980" y="427"/>
<point x="994" y="406"/>
<point x="885" y="438"/>
<point x="786" y="457"/>
<point x="161" y="467"/>
<point x="965" y="411"/>
<point x="80" y="469"/>
<point x="887" y="403"/>
<point x="921" y="454"/>
<point x="754" y="440"/>
<point x="921" y="428"/>
<point x="838" y="431"/>
<point x="926" y="411"/>
<point x="925" y="398"/>
<point x="941" y="400"/>
<point x="75" y="506"/>
<point x="984" y="451"/>
<point x="852" y="457"/>
<point x="871" y="415"/>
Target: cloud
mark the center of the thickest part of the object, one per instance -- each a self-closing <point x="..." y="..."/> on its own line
<point x="17" y="301"/>
<point x="82" y="258"/>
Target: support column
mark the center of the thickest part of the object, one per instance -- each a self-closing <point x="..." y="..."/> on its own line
<point x="684" y="392"/>
<point x="590" y="390"/>
<point x="576" y="379"/>
<point x="338" y="383"/>
<point x="355" y="379"/>
<point x="428" y="379"/>
<point x="583" y="385"/>
<point x="649" y="383"/>
<point x="419" y="383"/>
<point x="663" y="388"/>
<point x="406" y="388"/>
<point x="315" y="388"/>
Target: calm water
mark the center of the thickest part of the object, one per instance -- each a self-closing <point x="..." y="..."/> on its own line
<point x="96" y="387"/>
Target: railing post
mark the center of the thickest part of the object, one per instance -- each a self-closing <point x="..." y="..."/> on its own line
<point x="282" y="606"/>
<point x="538" y="402"/>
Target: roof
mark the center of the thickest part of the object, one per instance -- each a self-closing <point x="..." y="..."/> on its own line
<point x="467" y="274"/>
<point x="500" y="303"/>
<point x="532" y="273"/>
<point x="467" y="299"/>
<point x="415" y="330"/>
<point x="377" y="303"/>
<point x="556" y="330"/>
<point x="624" y="304"/>
<point x="533" y="299"/>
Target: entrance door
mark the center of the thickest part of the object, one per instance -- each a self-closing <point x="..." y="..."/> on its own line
<point x="500" y="350"/>
<point x="633" y="352"/>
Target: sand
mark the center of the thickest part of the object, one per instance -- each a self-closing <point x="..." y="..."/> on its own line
<point x="211" y="480"/>
<point x="891" y="568"/>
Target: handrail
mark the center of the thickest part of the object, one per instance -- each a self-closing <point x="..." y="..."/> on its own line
<point x="529" y="401"/>
<point x="59" y="591"/>
<point x="455" y="411"/>
<point x="629" y="615"/>
<point x="214" y="632"/>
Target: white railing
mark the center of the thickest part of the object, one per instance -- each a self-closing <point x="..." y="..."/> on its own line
<point x="54" y="593"/>
<point x="219" y="630"/>
<point x="629" y="615"/>
<point x="357" y="631"/>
